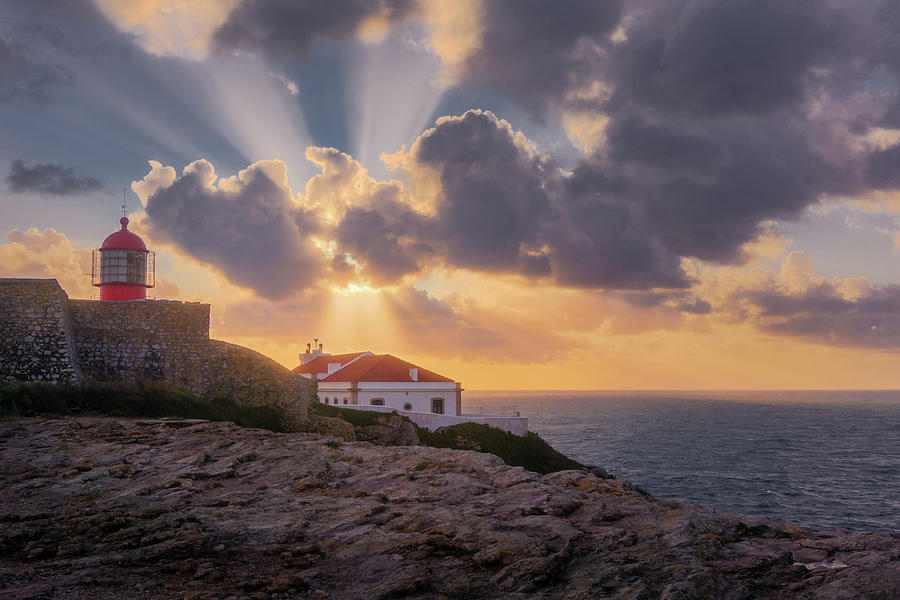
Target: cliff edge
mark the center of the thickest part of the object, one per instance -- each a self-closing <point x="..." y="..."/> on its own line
<point x="113" y="508"/>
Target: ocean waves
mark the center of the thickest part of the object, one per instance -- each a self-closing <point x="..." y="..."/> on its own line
<point x="824" y="459"/>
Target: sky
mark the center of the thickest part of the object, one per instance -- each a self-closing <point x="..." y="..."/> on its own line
<point x="518" y="194"/>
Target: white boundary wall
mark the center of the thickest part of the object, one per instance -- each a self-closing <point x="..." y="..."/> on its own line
<point x="395" y="395"/>
<point x="431" y="421"/>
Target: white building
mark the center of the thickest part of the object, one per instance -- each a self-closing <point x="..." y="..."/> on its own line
<point x="385" y="383"/>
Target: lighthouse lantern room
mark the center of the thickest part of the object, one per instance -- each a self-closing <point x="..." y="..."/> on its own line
<point x="122" y="267"/>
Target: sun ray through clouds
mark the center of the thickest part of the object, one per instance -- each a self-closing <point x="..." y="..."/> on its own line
<point x="394" y="88"/>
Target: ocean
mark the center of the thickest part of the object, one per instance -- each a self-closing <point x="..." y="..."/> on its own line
<point x="820" y="458"/>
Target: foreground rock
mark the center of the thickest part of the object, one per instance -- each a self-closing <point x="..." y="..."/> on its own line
<point x="109" y="508"/>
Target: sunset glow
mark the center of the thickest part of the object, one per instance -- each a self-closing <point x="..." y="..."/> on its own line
<point x="635" y="201"/>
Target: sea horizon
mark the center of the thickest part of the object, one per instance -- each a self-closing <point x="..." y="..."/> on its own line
<point x="822" y="458"/>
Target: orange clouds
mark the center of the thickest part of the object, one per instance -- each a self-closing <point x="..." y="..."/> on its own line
<point x="182" y="27"/>
<point x="47" y="254"/>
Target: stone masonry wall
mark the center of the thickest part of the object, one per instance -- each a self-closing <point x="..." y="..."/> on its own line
<point x="44" y="336"/>
<point x="35" y="343"/>
<point x="142" y="340"/>
<point x="253" y="378"/>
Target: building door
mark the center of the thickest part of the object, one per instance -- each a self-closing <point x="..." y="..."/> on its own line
<point x="437" y="406"/>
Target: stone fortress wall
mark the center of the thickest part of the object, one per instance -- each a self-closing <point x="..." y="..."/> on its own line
<point x="141" y="340"/>
<point x="35" y="342"/>
<point x="44" y="336"/>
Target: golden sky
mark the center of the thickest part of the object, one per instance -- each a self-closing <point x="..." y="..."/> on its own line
<point x="575" y="195"/>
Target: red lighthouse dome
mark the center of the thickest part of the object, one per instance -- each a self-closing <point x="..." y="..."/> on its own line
<point x="123" y="268"/>
<point x="123" y="239"/>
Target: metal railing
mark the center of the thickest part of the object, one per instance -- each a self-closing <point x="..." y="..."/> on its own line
<point x="506" y="410"/>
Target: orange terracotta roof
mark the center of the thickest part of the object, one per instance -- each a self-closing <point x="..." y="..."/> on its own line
<point x="383" y="367"/>
<point x="320" y="363"/>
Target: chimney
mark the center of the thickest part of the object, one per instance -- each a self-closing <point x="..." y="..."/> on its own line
<point x="414" y="373"/>
<point x="312" y="351"/>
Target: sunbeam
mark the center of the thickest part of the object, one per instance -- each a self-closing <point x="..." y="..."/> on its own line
<point x="394" y="89"/>
<point x="359" y="318"/>
<point x="259" y="114"/>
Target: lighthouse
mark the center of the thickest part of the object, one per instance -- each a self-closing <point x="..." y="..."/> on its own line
<point x="122" y="267"/>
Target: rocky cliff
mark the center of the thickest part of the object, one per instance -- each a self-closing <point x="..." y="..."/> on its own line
<point x="112" y="508"/>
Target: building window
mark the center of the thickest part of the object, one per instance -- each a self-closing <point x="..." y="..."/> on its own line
<point x="407" y="406"/>
<point x="437" y="406"/>
<point x="326" y="399"/>
<point x="345" y="400"/>
<point x="377" y="401"/>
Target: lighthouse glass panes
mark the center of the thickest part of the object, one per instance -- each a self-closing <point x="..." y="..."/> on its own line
<point x="150" y="277"/>
<point x="124" y="266"/>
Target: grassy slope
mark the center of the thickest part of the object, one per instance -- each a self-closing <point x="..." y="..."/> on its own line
<point x="529" y="451"/>
<point x="124" y="400"/>
<point x="117" y="399"/>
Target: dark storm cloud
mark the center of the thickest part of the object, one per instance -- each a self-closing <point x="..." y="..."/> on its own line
<point x="707" y="136"/>
<point x="24" y="77"/>
<point x="710" y="131"/>
<point x="883" y="169"/>
<point x="697" y="307"/>
<point x="677" y="299"/>
<point x="385" y="247"/>
<point x="821" y="301"/>
<point x="536" y="50"/>
<point x="507" y="208"/>
<point x="495" y="196"/>
<point x="633" y="140"/>
<point x="820" y="315"/>
<point x="50" y="179"/>
<point x="740" y="57"/>
<point x="285" y="30"/>
<point x="250" y="230"/>
<point x="767" y="171"/>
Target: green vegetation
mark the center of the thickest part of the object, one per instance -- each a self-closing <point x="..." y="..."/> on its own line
<point x="125" y="400"/>
<point x="357" y="418"/>
<point x="529" y="451"/>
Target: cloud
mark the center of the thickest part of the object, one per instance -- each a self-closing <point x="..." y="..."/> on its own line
<point x="538" y="51"/>
<point x="47" y="254"/>
<point x="697" y="307"/>
<point x="248" y="227"/>
<point x="373" y="222"/>
<point x="745" y="57"/>
<point x="50" y="179"/>
<point x="821" y="315"/>
<point x="285" y="31"/>
<point x="290" y="319"/>
<point x="448" y="330"/>
<point x="493" y="199"/>
<point x="386" y="247"/>
<point x="496" y="205"/>
<point x="157" y="178"/>
<point x="502" y="206"/>
<point x="796" y="303"/>
<point x="25" y="77"/>
<point x="456" y="29"/>
<point x="701" y="120"/>
<point x="182" y="27"/>
<point x="883" y="169"/>
<point x="455" y="327"/>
